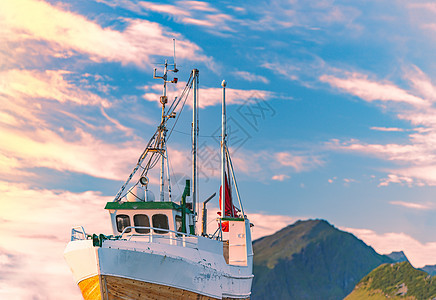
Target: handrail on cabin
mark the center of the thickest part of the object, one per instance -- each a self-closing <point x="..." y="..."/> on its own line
<point x="155" y="228"/>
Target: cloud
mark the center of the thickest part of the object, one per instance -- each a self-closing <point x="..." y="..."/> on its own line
<point x="299" y="163"/>
<point x="252" y="77"/>
<point x="280" y="177"/>
<point x="393" y="178"/>
<point x="416" y="157"/>
<point x="264" y="223"/>
<point x="212" y="96"/>
<point x="388" y="129"/>
<point x="197" y="13"/>
<point x="49" y="84"/>
<point x="369" y="90"/>
<point x="66" y="33"/>
<point x="37" y="232"/>
<point x="412" y="205"/>
<point x="419" y="254"/>
<point x="302" y="15"/>
<point x="85" y="154"/>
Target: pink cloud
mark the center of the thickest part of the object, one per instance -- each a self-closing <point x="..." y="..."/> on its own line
<point x="49" y="84"/>
<point x="210" y="96"/>
<point x="298" y="162"/>
<point x="412" y="205"/>
<point x="419" y="254"/>
<point x="280" y="177"/>
<point x="264" y="224"/>
<point x="35" y="231"/>
<point x="388" y="129"/>
<point x="393" y="178"/>
<point x="252" y="77"/>
<point x="66" y="31"/>
<point x="85" y="154"/>
<point x="368" y="90"/>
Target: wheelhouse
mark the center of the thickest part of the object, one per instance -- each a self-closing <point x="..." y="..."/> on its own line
<point x="144" y="217"/>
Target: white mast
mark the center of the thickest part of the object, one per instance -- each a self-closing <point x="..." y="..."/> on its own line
<point x="162" y="128"/>
<point x="163" y="134"/>
<point x="223" y="151"/>
<point x="194" y="143"/>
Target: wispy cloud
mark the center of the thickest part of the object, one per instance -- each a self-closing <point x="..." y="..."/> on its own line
<point x="388" y="129"/>
<point x="48" y="84"/>
<point x="251" y="77"/>
<point x="67" y="33"/>
<point x="411" y="205"/>
<point x="298" y="162"/>
<point x="371" y="90"/>
<point x="197" y="13"/>
<point x="393" y="178"/>
<point x="85" y="154"/>
<point x="280" y="177"/>
<point x="212" y="96"/>
<point x="416" y="157"/>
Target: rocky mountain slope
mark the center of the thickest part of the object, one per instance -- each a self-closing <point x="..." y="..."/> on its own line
<point x="310" y="260"/>
<point x="395" y="281"/>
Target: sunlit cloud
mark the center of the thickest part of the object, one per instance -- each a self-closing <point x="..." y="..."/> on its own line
<point x="251" y="77"/>
<point x="213" y="96"/>
<point x="35" y="232"/>
<point x="85" y="154"/>
<point x="298" y="162"/>
<point x="411" y="205"/>
<point x="49" y="84"/>
<point x="369" y="90"/>
<point x="264" y="223"/>
<point x="393" y="178"/>
<point x="280" y="177"/>
<point x="388" y="129"/>
<point x="419" y="254"/>
<point x="64" y="31"/>
<point x="197" y="13"/>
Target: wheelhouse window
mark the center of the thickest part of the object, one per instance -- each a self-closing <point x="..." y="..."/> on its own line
<point x="123" y="221"/>
<point x="143" y="221"/>
<point x="160" y="221"/>
<point x="179" y="223"/>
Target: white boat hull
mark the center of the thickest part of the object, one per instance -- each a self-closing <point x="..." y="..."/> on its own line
<point x="176" y="264"/>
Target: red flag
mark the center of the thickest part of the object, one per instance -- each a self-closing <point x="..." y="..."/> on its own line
<point x="229" y="208"/>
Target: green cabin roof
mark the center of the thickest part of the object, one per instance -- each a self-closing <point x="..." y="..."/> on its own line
<point x="145" y="205"/>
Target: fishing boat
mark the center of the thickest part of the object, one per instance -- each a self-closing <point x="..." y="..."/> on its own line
<point x="156" y="250"/>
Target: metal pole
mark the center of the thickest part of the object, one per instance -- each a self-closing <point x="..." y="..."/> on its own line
<point x="223" y="145"/>
<point x="194" y="143"/>
<point x="162" y="166"/>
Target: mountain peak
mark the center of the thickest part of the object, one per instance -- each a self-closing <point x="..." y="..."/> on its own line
<point x="398" y="256"/>
<point x="309" y="259"/>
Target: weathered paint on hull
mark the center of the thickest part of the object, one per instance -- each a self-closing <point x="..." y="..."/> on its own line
<point x="108" y="287"/>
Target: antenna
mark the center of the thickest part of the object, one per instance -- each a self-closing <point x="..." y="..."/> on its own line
<point x="162" y="129"/>
<point x="174" y="56"/>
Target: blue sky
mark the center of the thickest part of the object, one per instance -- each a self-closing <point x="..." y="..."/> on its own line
<point x="330" y="105"/>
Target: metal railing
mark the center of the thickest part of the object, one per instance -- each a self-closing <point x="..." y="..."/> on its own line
<point x="157" y="235"/>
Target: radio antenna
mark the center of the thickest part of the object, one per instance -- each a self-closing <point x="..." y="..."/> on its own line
<point x="174" y="46"/>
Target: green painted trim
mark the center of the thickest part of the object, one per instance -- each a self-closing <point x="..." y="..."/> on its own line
<point x="145" y="205"/>
<point x="232" y="219"/>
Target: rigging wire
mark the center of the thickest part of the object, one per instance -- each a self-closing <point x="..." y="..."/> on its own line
<point x="156" y="138"/>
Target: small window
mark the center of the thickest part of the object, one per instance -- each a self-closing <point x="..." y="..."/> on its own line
<point x="123" y="221"/>
<point x="179" y="223"/>
<point x="143" y="221"/>
<point x="160" y="221"/>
